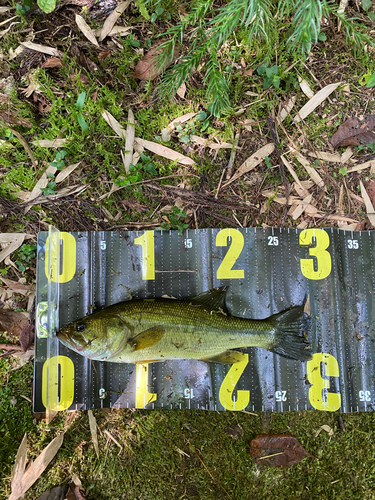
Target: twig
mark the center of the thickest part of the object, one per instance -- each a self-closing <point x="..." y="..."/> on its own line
<point x="220" y="181"/>
<point x="212" y="477"/>
<point x="10" y="347"/>
<point x="232" y="158"/>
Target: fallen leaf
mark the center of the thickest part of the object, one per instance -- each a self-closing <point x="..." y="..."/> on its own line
<point x="94" y="432"/>
<point x="234" y="431"/>
<point x="27" y="336"/>
<point x="47" y="143"/>
<point x="112" y="18"/>
<point x="181" y="91"/>
<point x="371" y="192"/>
<point x="57" y="493"/>
<point x="52" y="62"/>
<point x="13" y="322"/>
<point x="10" y="242"/>
<point x="369" y="206"/>
<point x="51" y="51"/>
<point x="355" y="131"/>
<point x="42" y="183"/>
<point x="63" y="174"/>
<point x="147" y="68"/>
<point x="82" y="59"/>
<point x="165" y="152"/>
<point x="310" y="170"/>
<point x="129" y="141"/>
<point x="252" y="161"/>
<point x="114" y="124"/>
<point x="315" y="101"/>
<point x="86" y="30"/>
<point x="277" y="450"/>
<point x="305" y="87"/>
<point x="20" y="463"/>
<point x="36" y="468"/>
<point x="325" y="428"/>
<point x="362" y="166"/>
<point x="209" y="143"/>
<point x="74" y="493"/>
<point x="286" y="109"/>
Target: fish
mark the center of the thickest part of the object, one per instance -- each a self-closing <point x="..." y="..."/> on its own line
<point x="200" y="328"/>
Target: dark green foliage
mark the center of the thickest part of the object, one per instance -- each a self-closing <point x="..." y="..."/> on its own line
<point x="206" y="29"/>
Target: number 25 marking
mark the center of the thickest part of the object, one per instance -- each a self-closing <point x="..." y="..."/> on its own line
<point x="225" y="270"/>
<point x="319" y="251"/>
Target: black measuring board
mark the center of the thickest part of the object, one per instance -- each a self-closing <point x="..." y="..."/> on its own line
<point x="267" y="271"/>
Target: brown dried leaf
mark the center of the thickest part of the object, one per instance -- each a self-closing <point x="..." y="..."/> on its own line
<point x="27" y="336"/>
<point x="74" y="493"/>
<point x="36" y="468"/>
<point x="234" y="431"/>
<point x="13" y="322"/>
<point x="20" y="463"/>
<point x="371" y="192"/>
<point x="147" y="68"/>
<point x="355" y="131"/>
<point x="277" y="450"/>
<point x="52" y="62"/>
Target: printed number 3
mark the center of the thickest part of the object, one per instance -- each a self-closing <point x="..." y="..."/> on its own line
<point x="319" y="251"/>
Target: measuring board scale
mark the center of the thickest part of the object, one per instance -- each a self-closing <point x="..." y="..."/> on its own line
<point x="267" y="270"/>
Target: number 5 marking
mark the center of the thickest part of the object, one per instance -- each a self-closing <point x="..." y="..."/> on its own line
<point x="325" y="401"/>
<point x="147" y="242"/>
<point x="319" y="251"/>
<point x="225" y="270"/>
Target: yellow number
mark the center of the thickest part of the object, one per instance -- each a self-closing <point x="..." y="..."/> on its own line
<point x="65" y="382"/>
<point x="148" y="254"/>
<point x="319" y="251"/>
<point x="68" y="257"/>
<point x="225" y="270"/>
<point x="228" y="385"/>
<point x="142" y="396"/>
<point x="329" y="401"/>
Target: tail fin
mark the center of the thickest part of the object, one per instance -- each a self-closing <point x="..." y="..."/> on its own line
<point x="291" y="328"/>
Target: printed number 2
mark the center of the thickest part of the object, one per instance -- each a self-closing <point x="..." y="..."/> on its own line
<point x="225" y="270"/>
<point x="319" y="398"/>
<point x="319" y="251"/>
<point x="147" y="242"/>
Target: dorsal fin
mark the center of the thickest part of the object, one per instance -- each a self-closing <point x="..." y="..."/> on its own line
<point x="212" y="300"/>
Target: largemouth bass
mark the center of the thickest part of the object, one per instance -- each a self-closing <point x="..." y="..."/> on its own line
<point x="152" y="330"/>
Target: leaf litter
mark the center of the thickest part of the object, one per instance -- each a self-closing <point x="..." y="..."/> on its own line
<point x="277" y="450"/>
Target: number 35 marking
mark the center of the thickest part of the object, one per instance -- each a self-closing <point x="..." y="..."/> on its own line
<point x="323" y="257"/>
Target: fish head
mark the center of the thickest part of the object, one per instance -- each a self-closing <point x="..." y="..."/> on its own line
<point x="97" y="336"/>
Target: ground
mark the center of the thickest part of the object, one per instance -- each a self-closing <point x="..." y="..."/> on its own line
<point x="175" y="454"/>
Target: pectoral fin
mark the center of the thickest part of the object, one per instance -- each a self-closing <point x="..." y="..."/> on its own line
<point x="148" y="338"/>
<point x="226" y="357"/>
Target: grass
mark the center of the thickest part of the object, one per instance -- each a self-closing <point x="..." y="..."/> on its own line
<point x="162" y="452"/>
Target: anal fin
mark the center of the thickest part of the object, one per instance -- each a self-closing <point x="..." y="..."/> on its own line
<point x="228" y="357"/>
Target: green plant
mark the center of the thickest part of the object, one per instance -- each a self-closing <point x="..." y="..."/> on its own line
<point x="58" y="162"/>
<point x="79" y="105"/>
<point x="158" y="13"/>
<point x="343" y="170"/>
<point x="25" y="256"/>
<point x="175" y="220"/>
<point x="51" y="186"/>
<point x="207" y="28"/>
<point x="145" y="164"/>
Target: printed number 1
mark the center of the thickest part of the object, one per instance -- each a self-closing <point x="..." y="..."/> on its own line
<point x="146" y="240"/>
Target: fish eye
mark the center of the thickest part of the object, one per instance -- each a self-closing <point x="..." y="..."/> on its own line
<point x="80" y="328"/>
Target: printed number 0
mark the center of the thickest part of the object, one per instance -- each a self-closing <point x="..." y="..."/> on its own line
<point x="225" y="270"/>
<point x="319" y="251"/>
